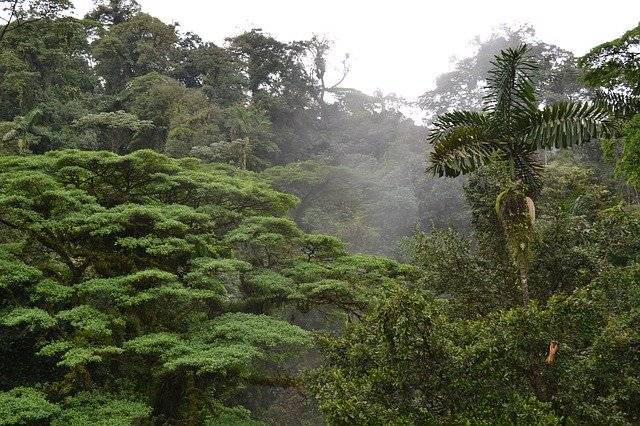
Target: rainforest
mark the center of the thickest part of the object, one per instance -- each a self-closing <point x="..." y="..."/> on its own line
<point x="200" y="233"/>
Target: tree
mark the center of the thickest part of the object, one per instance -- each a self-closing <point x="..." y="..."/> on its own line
<point x="19" y="13"/>
<point x="141" y="286"/>
<point x="409" y="362"/>
<point x="274" y="69"/>
<point x="114" y="12"/>
<point x="133" y="48"/>
<point x="615" y="65"/>
<point x="472" y="284"/>
<point x="213" y="69"/>
<point x="42" y="64"/>
<point x="628" y="164"/>
<point x="114" y="131"/>
<point x="463" y="88"/>
<point x="182" y="117"/>
<point x="279" y="83"/>
<point x="23" y="133"/>
<point x="613" y="68"/>
<point x="319" y="48"/>
<point x="248" y="143"/>
<point x="510" y="129"/>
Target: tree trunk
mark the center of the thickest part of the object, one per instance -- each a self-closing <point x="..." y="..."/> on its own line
<point x="524" y="284"/>
<point x="516" y="213"/>
<point x="243" y="160"/>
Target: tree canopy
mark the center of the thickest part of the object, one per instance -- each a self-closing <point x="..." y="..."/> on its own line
<point x="225" y="233"/>
<point x="145" y="282"/>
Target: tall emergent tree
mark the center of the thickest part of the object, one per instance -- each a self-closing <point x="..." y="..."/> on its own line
<point x="511" y="128"/>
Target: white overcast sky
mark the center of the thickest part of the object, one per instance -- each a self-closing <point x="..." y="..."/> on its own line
<point x="399" y="46"/>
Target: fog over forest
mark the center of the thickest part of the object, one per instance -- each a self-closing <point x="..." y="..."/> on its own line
<point x="244" y="214"/>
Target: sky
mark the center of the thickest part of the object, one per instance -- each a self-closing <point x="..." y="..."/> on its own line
<point x="399" y="46"/>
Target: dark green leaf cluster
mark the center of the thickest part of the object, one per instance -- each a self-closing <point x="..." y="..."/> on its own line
<point x="408" y="362"/>
<point x="614" y="65"/>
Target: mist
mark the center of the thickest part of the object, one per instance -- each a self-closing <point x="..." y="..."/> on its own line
<point x="420" y="38"/>
<point x="297" y="213"/>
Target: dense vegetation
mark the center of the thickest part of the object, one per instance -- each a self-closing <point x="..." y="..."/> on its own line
<point x="457" y="348"/>
<point x="147" y="283"/>
<point x="179" y="222"/>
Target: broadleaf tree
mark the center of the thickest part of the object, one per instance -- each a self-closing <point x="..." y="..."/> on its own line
<point x="155" y="288"/>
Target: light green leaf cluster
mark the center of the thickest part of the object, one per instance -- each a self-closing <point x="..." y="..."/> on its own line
<point x="89" y="321"/>
<point x="97" y="408"/>
<point x="141" y="272"/>
<point x="259" y="330"/>
<point x="32" y="318"/>
<point x="14" y="273"/>
<point x="230" y="416"/>
<point x="25" y="406"/>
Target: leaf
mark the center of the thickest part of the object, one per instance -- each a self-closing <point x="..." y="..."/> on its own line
<point x="33" y="318"/>
<point x="509" y="85"/>
<point x="102" y="409"/>
<point x="565" y="124"/>
<point x="25" y="405"/>
<point x="258" y="330"/>
<point x="461" y="151"/>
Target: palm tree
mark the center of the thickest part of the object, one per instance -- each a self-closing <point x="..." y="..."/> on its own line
<point x="511" y="128"/>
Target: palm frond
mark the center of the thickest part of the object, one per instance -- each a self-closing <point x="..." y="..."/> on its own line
<point x="526" y="166"/>
<point x="565" y="124"/>
<point x="622" y="105"/>
<point x="461" y="151"/>
<point x="509" y="84"/>
<point x="450" y="121"/>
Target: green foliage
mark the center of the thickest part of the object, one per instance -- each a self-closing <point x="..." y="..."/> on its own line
<point x="612" y="68"/>
<point x="139" y="273"/>
<point x="452" y="270"/>
<point x="110" y="12"/>
<point x="407" y="362"/>
<point x="21" y="406"/>
<point x="611" y="65"/>
<point x="257" y="330"/>
<point x="456" y="348"/>
<point x="182" y="118"/>
<point x="24" y="132"/>
<point x="46" y="80"/>
<point x="323" y="247"/>
<point x="31" y="318"/>
<point x="580" y="123"/>
<point x="628" y="164"/>
<point x="141" y="289"/>
<point x="132" y="48"/>
<point x="115" y="131"/>
<point x="230" y="416"/>
<point x="102" y="409"/>
<point x="511" y="127"/>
